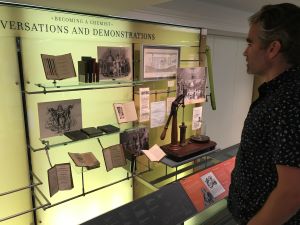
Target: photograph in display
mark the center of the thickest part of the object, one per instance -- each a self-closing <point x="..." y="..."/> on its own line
<point x="135" y="140"/>
<point x="212" y="183"/>
<point x="159" y="62"/>
<point x="197" y="118"/>
<point x="58" y="117"/>
<point x="115" y="62"/>
<point x="193" y="80"/>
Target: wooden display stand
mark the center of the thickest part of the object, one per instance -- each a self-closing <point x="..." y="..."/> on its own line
<point x="188" y="150"/>
<point x="184" y="149"/>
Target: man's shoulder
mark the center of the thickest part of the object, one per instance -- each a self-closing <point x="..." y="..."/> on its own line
<point x="290" y="91"/>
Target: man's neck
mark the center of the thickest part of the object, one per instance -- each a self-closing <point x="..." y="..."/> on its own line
<point x="275" y="70"/>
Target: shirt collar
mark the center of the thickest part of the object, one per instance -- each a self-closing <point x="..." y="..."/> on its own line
<point x="270" y="86"/>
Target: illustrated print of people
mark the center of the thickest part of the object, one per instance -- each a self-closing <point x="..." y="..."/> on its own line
<point x="207" y="197"/>
<point x="120" y="112"/>
<point x="210" y="181"/>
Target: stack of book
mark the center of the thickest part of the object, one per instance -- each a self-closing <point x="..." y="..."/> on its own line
<point x="88" y="70"/>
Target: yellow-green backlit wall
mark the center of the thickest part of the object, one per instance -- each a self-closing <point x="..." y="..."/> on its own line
<point x="13" y="158"/>
<point x="79" y="35"/>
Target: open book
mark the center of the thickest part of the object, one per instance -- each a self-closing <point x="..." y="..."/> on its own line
<point x="155" y="154"/>
<point x="60" y="178"/>
<point x="125" y="112"/>
<point x="114" y="157"/>
<point x="86" y="159"/>
<point x="58" y="67"/>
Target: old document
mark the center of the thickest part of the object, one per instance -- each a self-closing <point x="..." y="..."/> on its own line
<point x="144" y="104"/>
<point x="158" y="114"/>
<point x="197" y="118"/>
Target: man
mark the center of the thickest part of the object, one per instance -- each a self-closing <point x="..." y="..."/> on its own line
<point x="265" y="183"/>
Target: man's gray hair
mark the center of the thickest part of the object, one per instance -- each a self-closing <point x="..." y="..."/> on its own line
<point x="281" y="23"/>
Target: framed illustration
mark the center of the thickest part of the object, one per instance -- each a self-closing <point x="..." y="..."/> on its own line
<point x="115" y="62"/>
<point x="58" y="117"/>
<point x="193" y="80"/>
<point x="159" y="62"/>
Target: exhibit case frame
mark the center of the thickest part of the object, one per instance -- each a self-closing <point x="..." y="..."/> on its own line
<point x="27" y="32"/>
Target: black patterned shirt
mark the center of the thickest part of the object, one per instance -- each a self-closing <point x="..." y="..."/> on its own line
<point x="270" y="137"/>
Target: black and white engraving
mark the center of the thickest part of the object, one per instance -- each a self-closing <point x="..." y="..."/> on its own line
<point x="207" y="197"/>
<point x="115" y="62"/>
<point x="212" y="184"/>
<point x="193" y="80"/>
<point x="160" y="62"/>
<point x="58" y="117"/>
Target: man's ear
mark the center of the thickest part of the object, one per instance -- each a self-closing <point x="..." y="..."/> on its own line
<point x="274" y="49"/>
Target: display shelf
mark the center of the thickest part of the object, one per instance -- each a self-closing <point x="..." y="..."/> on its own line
<point x="63" y="140"/>
<point x="84" y="192"/>
<point x="35" y="191"/>
<point x="57" y="141"/>
<point x="34" y="184"/>
<point x="55" y="86"/>
<point x="171" y="163"/>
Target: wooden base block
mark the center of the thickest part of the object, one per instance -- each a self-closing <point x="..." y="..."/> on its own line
<point x="178" y="152"/>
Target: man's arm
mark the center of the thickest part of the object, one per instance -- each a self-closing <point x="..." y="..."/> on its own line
<point x="284" y="200"/>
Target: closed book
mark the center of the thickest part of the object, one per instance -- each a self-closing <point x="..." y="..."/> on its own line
<point x="109" y="128"/>
<point x="92" y="131"/>
<point x="82" y="71"/>
<point x="89" y="68"/>
<point x="85" y="58"/>
<point x="76" y="135"/>
<point x="97" y="75"/>
<point x="90" y="65"/>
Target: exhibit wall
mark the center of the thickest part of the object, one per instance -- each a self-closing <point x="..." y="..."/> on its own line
<point x="22" y="151"/>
